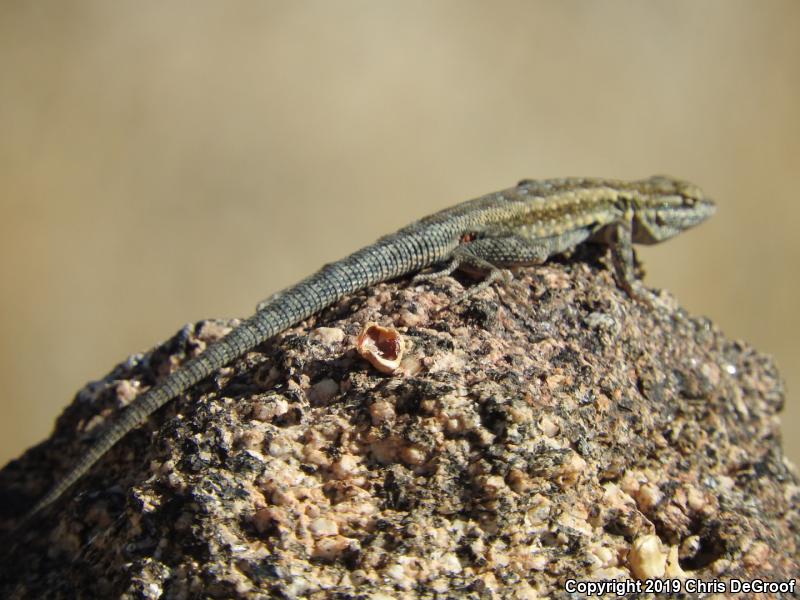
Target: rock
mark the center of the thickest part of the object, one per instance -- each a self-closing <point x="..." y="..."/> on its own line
<point x="554" y="429"/>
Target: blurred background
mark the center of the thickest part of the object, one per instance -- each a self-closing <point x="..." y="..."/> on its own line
<point x="161" y="163"/>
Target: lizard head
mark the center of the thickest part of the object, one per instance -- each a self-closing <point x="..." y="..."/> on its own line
<point x="665" y="207"/>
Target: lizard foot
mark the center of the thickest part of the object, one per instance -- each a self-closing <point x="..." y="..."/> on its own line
<point x="492" y="276"/>
<point x="448" y="270"/>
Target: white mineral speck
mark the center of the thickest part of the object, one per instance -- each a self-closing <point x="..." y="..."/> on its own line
<point x="647" y="559"/>
<point x="327" y="335"/>
<point x="323" y="391"/>
<point x="321" y="527"/>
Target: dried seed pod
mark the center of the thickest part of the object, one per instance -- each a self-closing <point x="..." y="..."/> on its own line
<point x="381" y="346"/>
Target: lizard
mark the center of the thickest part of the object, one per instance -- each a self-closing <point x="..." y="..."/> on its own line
<point x="522" y="225"/>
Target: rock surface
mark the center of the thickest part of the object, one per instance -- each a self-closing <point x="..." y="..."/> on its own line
<point x="548" y="429"/>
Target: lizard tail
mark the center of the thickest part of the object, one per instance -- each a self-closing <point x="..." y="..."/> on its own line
<point x="238" y="341"/>
<point x="389" y="257"/>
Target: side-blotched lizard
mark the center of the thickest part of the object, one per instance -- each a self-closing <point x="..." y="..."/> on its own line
<point x="522" y="225"/>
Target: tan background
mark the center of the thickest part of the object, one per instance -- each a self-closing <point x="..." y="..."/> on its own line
<point x="165" y="162"/>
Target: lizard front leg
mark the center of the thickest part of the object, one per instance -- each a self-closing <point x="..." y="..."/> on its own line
<point x="618" y="237"/>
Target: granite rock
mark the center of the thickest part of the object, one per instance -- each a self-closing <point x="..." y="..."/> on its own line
<point x="544" y="430"/>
